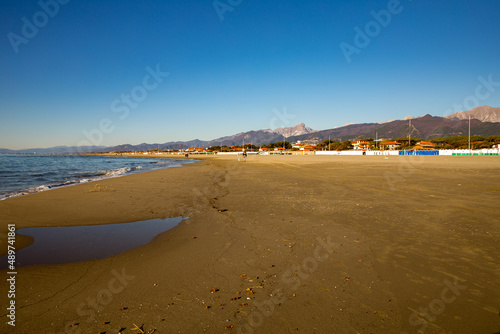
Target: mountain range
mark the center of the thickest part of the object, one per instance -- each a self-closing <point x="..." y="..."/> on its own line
<point x="485" y="121"/>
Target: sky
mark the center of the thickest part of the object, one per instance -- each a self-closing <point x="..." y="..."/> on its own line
<point x="128" y="72"/>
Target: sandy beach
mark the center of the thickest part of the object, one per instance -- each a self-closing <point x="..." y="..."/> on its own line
<point x="278" y="244"/>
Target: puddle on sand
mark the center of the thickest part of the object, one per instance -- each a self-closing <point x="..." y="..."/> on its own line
<point x="57" y="245"/>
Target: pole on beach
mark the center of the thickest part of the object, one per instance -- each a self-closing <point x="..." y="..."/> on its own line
<point x="469" y="135"/>
<point x="284" y="143"/>
<point x="409" y="136"/>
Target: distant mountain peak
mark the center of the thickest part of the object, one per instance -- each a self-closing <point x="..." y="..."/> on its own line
<point x="297" y="130"/>
<point x="483" y="113"/>
<point x="411" y="117"/>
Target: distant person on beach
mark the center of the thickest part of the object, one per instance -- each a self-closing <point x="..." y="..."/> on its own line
<point x="244" y="155"/>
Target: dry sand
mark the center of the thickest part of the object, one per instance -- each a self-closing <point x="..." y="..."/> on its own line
<point x="279" y="244"/>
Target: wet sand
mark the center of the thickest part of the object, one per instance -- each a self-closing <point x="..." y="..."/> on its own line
<point x="278" y="244"/>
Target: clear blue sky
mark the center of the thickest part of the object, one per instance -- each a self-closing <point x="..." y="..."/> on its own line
<point x="233" y="75"/>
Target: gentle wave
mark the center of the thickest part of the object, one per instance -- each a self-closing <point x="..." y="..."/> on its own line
<point x="118" y="171"/>
<point x="101" y="175"/>
<point x="85" y="176"/>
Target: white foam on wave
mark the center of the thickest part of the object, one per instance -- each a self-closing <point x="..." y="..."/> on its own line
<point x="118" y="171"/>
<point x="41" y="188"/>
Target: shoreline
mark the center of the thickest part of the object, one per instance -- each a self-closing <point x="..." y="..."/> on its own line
<point x="333" y="243"/>
<point x="110" y="173"/>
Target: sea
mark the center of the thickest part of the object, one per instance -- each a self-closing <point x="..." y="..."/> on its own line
<point x="22" y="174"/>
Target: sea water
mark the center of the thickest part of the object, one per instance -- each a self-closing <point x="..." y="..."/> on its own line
<point x="22" y="174"/>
